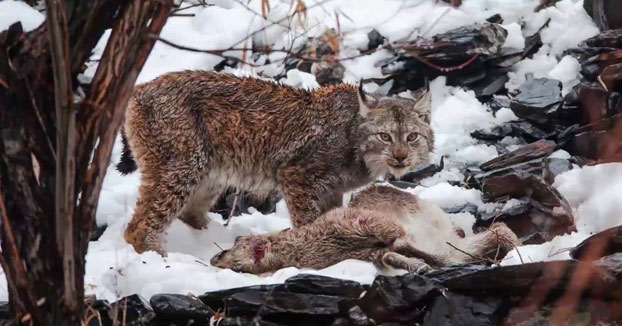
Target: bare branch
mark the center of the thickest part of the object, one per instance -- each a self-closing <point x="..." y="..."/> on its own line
<point x="65" y="146"/>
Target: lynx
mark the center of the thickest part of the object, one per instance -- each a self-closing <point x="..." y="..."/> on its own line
<point x="384" y="225"/>
<point x="195" y="133"/>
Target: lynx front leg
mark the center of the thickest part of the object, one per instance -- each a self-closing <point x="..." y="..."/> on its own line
<point x="412" y="265"/>
<point x="308" y="193"/>
<point x="199" y="204"/>
<point x="161" y="197"/>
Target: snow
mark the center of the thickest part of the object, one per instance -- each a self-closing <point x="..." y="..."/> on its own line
<point x="12" y="11"/>
<point x="113" y="268"/>
<point x="515" y="37"/>
<point x="593" y="192"/>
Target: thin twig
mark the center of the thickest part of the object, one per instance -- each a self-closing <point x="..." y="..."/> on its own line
<point x="236" y="198"/>
<point x="477" y="259"/>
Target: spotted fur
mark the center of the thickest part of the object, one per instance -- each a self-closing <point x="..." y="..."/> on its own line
<point x="384" y="225"/>
<point x="195" y="133"/>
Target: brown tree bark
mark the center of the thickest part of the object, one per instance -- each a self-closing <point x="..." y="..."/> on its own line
<point x="47" y="141"/>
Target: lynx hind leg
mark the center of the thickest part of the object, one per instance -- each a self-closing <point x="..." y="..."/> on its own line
<point x="412" y="265"/>
<point x="161" y="197"/>
<point x="194" y="214"/>
<point x="493" y="243"/>
<point x="406" y="247"/>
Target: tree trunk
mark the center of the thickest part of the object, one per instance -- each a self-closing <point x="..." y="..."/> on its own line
<point x="47" y="141"/>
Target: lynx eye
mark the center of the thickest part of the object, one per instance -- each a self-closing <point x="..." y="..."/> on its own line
<point x="384" y="136"/>
<point x="412" y="136"/>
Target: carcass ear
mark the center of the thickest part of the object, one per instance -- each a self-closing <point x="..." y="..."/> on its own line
<point x="424" y="107"/>
<point x="366" y="102"/>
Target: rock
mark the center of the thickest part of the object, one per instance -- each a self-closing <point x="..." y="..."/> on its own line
<point x="242" y="321"/>
<point x="515" y="211"/>
<point x="401" y="184"/>
<point x="512" y="129"/>
<point x="98" y="230"/>
<point x="611" y="77"/>
<point x="5" y="314"/>
<point x="461" y="54"/>
<point x="607" y="14"/>
<point x="328" y="73"/>
<point x="428" y="171"/>
<point x="612" y="265"/>
<point x="549" y="215"/>
<point x="179" y="309"/>
<point x="602" y="145"/>
<point x="606" y="39"/>
<point x="398" y="298"/>
<point x="283" y="307"/>
<point x="317" y="284"/>
<point x="215" y="299"/>
<point x="132" y="310"/>
<point x="456" y="309"/>
<point x="551" y="277"/>
<point x="538" y="100"/>
<point x="593" y="100"/>
<point x="497" y="102"/>
<point x="526" y="153"/>
<point x="358" y="317"/>
<point x="375" y="39"/>
<point x="466" y="208"/>
<point x="493" y="82"/>
<point x="605" y="243"/>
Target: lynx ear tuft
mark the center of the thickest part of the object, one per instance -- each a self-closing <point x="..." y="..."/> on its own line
<point x="366" y="102"/>
<point x="424" y="107"/>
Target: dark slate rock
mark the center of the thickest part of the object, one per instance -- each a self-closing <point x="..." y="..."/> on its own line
<point x="98" y="230"/>
<point x="606" y="39"/>
<point x="612" y="265"/>
<point x="281" y="307"/>
<point x="358" y="317"/>
<point x="215" y="299"/>
<point x="607" y="14"/>
<point x="537" y="100"/>
<point x="513" y="129"/>
<point x="549" y="215"/>
<point x="519" y="280"/>
<point x="493" y="134"/>
<point x="518" y="210"/>
<point x="605" y="243"/>
<point x="133" y="310"/>
<point x="424" y="172"/>
<point x="375" y="39"/>
<point x="5" y="314"/>
<point x="328" y="73"/>
<point x="492" y="83"/>
<point x="456" y="309"/>
<point x="498" y="102"/>
<point x="466" y="208"/>
<point x="398" y="298"/>
<point x="525" y="153"/>
<point x="179" y="309"/>
<point x="402" y="184"/>
<point x="317" y="284"/>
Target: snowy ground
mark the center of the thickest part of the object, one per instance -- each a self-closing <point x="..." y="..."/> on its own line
<point x="114" y="269"/>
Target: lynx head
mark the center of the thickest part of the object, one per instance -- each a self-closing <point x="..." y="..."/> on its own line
<point x="397" y="136"/>
<point x="249" y="254"/>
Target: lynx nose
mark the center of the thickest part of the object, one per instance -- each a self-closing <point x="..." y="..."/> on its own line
<point x="400" y="155"/>
<point x="214" y="261"/>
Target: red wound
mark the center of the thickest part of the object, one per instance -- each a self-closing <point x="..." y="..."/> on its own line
<point x="258" y="253"/>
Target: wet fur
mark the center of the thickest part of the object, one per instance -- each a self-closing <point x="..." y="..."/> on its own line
<point x="194" y="134"/>
<point x="384" y="225"/>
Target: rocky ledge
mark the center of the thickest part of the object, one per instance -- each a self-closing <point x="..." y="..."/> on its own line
<point x="586" y="290"/>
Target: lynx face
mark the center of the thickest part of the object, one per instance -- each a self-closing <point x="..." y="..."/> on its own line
<point x="397" y="132"/>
